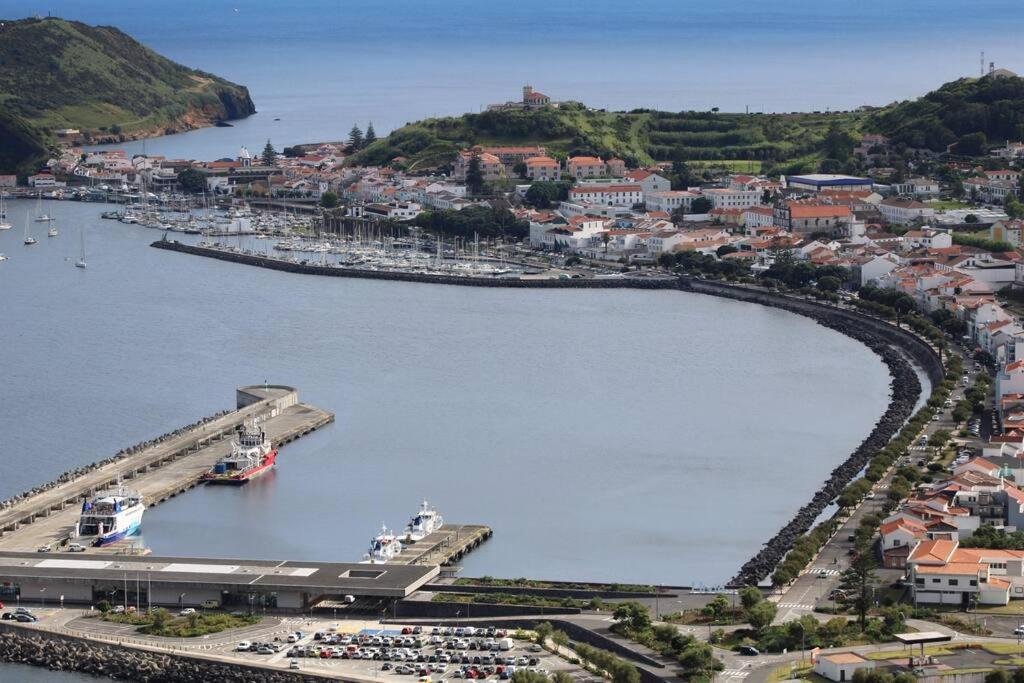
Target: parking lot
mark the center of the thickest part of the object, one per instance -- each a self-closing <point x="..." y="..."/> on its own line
<point x="417" y="652"/>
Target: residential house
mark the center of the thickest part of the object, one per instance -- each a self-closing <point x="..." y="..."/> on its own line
<point x="628" y="194"/>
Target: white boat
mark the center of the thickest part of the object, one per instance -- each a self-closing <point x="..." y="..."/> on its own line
<point x="52" y="232"/>
<point x="384" y="547"/>
<point x="111" y="516"/>
<point x="3" y="257"/>
<point x="29" y="239"/>
<point x="424" y="523"/>
<point x="40" y="216"/>
<point x="80" y="263"/>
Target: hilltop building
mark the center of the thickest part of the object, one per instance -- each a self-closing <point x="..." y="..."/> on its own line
<point x="531" y="100"/>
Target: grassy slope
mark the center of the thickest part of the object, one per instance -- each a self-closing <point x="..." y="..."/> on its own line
<point x="794" y="142"/>
<point x="639" y="137"/>
<point x="57" y="73"/>
<point x="65" y="74"/>
<point x="993" y="106"/>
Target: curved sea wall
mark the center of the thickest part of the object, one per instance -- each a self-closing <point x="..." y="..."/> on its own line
<point x="59" y="652"/>
<point x="881" y="337"/>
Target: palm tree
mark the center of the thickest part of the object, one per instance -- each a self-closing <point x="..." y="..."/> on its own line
<point x="605" y="239"/>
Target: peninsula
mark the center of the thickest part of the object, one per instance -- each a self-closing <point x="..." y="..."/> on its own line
<point x="97" y="84"/>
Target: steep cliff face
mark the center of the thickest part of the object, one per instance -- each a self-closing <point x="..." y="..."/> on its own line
<point x="66" y="74"/>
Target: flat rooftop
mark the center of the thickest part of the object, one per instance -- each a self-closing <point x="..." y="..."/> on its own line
<point x="922" y="637"/>
<point x="828" y="179"/>
<point x="342" y="578"/>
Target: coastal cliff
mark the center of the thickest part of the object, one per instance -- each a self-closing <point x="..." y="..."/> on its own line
<point x="57" y="74"/>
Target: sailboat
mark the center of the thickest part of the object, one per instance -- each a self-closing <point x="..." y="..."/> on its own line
<point x="52" y="232"/>
<point x="4" y="225"/>
<point x="29" y="239"/>
<point x="40" y="216"/>
<point x="80" y="263"/>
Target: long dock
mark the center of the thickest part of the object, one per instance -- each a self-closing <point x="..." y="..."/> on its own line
<point x="160" y="471"/>
<point x="444" y="546"/>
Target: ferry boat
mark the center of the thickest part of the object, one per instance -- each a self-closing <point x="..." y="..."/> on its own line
<point x="384" y="547"/>
<point x="424" y="523"/>
<point x="251" y="456"/>
<point x="111" y="516"/>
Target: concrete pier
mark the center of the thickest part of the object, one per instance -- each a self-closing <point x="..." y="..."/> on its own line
<point x="161" y="471"/>
<point x="446" y="545"/>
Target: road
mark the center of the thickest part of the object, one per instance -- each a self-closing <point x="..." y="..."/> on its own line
<point x="814" y="587"/>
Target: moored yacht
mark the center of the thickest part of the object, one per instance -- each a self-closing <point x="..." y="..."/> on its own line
<point x="384" y="547"/>
<point x="424" y="523"/>
<point x="111" y="516"/>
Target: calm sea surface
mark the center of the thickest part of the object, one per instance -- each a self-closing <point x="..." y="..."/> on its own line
<point x="322" y="65"/>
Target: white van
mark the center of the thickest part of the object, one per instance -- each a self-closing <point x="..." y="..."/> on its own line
<point x="505" y="644"/>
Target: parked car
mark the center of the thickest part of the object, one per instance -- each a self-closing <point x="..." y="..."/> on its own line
<point x="294" y="664"/>
<point x="185" y="612"/>
<point x="25" y="618"/>
<point x="76" y="548"/>
<point x="45" y="548"/>
<point x="749" y="651"/>
<point x="243" y="646"/>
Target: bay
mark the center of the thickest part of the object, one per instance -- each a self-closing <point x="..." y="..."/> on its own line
<point x="604" y="435"/>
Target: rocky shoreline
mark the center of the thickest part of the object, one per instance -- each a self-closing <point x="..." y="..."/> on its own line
<point x="906" y="389"/>
<point x="63" y="653"/>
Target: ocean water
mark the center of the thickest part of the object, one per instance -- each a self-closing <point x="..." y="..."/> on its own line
<point x="322" y="65"/>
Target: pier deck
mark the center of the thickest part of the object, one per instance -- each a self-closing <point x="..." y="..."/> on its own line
<point x="159" y="472"/>
<point x="446" y="545"/>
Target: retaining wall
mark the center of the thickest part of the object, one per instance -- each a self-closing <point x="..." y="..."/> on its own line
<point x="579" y="593"/>
<point x="453" y="610"/>
<point x="61" y="652"/>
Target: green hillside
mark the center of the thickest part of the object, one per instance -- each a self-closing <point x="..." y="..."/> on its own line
<point x="984" y="110"/>
<point x="639" y="136"/>
<point x="66" y="74"/>
<point x="971" y="112"/>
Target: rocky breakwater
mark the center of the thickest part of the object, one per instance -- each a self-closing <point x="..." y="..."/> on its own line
<point x="77" y="472"/>
<point x="60" y="653"/>
<point x="905" y="391"/>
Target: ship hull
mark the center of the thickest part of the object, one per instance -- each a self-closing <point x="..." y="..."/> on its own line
<point x="245" y="476"/>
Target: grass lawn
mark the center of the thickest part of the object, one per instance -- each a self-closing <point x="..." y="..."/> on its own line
<point x="1002" y="648"/>
<point x="1013" y="661"/>
<point x="947" y="205"/>
<point x="1015" y="607"/>
<point x="794" y="671"/>
<point x="183" y="627"/>
<point x="933" y="651"/>
<point x="735" y="165"/>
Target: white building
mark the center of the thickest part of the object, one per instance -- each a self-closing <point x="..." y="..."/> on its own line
<point x="902" y="211"/>
<point x="670" y="200"/>
<point x="725" y="198"/>
<point x="610" y="195"/>
<point x="841" y="666"/>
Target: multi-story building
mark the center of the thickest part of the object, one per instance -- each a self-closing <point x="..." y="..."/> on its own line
<point x="902" y="210"/>
<point x="670" y="200"/>
<point x="730" y="198"/>
<point x="543" y="168"/>
<point x="610" y="195"/>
